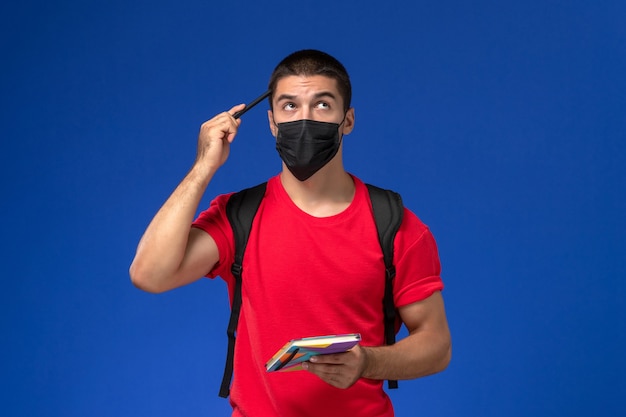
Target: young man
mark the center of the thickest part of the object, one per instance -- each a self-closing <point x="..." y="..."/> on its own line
<point x="313" y="263"/>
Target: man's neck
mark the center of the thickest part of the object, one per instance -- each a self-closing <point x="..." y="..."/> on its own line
<point x="328" y="192"/>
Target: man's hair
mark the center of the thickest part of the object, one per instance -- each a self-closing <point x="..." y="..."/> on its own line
<point x="309" y="62"/>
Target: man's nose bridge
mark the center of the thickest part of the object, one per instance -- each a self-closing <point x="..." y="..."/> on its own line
<point x="307" y="112"/>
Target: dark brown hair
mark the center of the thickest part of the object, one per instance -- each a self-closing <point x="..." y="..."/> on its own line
<point x="310" y="62"/>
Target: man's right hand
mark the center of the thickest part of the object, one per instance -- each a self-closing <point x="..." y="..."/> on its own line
<point x="170" y="253"/>
<point x="215" y="138"/>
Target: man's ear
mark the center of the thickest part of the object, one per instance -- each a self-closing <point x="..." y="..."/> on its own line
<point x="348" y="123"/>
<point x="270" y="119"/>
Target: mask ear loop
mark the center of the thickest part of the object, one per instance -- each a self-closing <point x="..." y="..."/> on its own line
<point x="343" y="120"/>
<point x="252" y="104"/>
<point x="344" y="117"/>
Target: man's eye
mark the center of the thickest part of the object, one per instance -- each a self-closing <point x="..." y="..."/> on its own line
<point x="289" y="106"/>
<point x="322" y="105"/>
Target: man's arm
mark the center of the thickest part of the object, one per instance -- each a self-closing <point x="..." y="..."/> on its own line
<point x="171" y="253"/>
<point x="426" y="350"/>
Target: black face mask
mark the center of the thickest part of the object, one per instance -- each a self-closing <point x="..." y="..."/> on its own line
<point x="305" y="146"/>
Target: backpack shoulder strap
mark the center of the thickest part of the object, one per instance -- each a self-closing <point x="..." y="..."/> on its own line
<point x="388" y="212"/>
<point x="241" y="209"/>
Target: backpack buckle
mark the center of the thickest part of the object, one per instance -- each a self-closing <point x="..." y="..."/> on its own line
<point x="236" y="269"/>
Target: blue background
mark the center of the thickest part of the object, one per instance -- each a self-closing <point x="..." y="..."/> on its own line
<point x="501" y="123"/>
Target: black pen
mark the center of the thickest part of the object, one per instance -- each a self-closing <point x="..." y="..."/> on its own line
<point x="252" y="104"/>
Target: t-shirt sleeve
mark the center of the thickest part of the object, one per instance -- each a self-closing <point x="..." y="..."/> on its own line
<point x="418" y="270"/>
<point x="215" y="222"/>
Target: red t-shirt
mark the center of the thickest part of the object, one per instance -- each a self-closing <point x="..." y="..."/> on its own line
<point x="308" y="276"/>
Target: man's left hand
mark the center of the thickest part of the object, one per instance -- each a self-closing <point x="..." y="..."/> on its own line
<point x="340" y="370"/>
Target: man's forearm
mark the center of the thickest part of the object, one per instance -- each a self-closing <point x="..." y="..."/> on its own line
<point x="419" y="354"/>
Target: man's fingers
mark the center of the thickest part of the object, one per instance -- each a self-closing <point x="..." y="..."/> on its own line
<point x="333" y="358"/>
<point x="219" y="127"/>
<point x="336" y="375"/>
<point x="322" y="368"/>
<point x="236" y="108"/>
<point x="341" y="370"/>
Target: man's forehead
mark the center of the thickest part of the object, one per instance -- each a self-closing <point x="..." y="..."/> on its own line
<point x="309" y="84"/>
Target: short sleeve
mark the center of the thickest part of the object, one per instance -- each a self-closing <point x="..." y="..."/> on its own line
<point x="418" y="270"/>
<point x="214" y="221"/>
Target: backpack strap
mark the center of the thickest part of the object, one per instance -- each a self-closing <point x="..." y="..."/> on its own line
<point x="240" y="210"/>
<point x="388" y="211"/>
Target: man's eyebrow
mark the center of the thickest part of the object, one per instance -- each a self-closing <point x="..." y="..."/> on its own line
<point x="325" y="94"/>
<point x="285" y="97"/>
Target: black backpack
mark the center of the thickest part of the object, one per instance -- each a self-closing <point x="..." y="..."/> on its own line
<point x="241" y="209"/>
